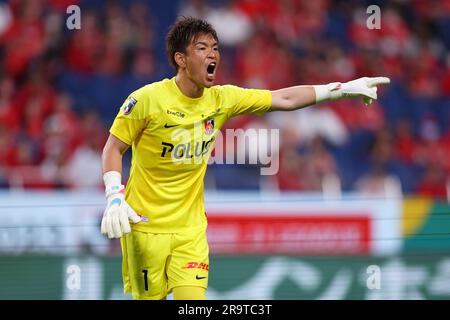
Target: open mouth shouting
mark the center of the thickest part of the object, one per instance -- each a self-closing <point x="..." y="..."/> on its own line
<point x="211" y="70"/>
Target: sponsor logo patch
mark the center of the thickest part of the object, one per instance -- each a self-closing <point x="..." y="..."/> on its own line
<point x="176" y="113"/>
<point x="196" y="265"/>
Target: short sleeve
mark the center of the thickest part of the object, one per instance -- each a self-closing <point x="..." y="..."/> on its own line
<point x="244" y="101"/>
<point x="132" y="118"/>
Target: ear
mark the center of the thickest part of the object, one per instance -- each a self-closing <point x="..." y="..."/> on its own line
<point x="180" y="59"/>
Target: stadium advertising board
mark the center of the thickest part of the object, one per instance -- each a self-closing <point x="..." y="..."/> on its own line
<point x="238" y="224"/>
<point x="425" y="276"/>
<point x="290" y="224"/>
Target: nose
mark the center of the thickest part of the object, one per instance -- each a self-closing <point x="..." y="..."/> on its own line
<point x="212" y="54"/>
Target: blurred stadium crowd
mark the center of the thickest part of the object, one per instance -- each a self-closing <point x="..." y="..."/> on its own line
<point x="60" y="89"/>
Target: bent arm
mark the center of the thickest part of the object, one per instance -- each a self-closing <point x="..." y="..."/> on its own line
<point x="115" y="217"/>
<point x="112" y="154"/>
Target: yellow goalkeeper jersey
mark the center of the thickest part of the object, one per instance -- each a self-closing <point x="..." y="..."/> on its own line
<point x="172" y="136"/>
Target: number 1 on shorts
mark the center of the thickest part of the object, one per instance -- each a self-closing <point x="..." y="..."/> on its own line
<point x="145" y="272"/>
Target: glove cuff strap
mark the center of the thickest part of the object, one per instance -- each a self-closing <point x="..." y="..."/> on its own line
<point x="113" y="185"/>
<point x="330" y="91"/>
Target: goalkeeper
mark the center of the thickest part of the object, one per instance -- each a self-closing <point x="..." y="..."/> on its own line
<point x="170" y="126"/>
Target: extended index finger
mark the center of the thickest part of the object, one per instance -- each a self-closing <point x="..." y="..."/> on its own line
<point x="378" y="80"/>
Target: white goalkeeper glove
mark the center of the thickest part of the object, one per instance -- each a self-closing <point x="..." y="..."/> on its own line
<point x="363" y="87"/>
<point x="115" y="218"/>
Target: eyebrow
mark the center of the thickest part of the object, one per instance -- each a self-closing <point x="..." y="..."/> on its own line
<point x="205" y="44"/>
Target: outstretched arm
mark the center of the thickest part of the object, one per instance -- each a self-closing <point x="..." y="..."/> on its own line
<point x="293" y="98"/>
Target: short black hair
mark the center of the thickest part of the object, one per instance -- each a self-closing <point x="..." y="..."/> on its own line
<point x="182" y="32"/>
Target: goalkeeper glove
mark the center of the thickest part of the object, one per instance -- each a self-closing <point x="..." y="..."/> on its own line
<point x="115" y="217"/>
<point x="363" y="87"/>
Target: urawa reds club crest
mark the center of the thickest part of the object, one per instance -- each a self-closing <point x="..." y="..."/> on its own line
<point x="209" y="126"/>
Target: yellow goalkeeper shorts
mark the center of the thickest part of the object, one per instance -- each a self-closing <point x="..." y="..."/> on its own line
<point x="153" y="264"/>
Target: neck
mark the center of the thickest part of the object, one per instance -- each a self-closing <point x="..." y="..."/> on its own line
<point x="187" y="86"/>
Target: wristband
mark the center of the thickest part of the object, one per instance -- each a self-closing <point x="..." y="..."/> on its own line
<point x="330" y="91"/>
<point x="112" y="180"/>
